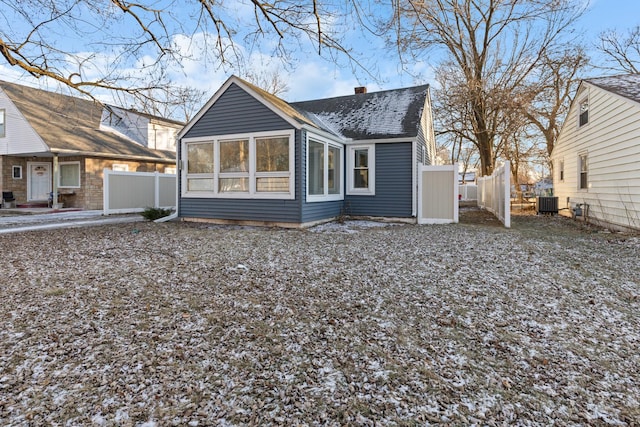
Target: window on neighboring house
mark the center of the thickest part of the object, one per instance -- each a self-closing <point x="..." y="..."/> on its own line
<point x="255" y="166"/>
<point x="69" y="175"/>
<point x="583" y="171"/>
<point x="361" y="169"/>
<point x="120" y="167"/>
<point x="584" y="112"/>
<point x="561" y="169"/>
<point x="170" y="170"/>
<point x="17" y="172"/>
<point x="324" y="174"/>
<point x="3" y="123"/>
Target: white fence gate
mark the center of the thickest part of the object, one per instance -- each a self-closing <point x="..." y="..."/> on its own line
<point x="438" y="194"/>
<point x="127" y="192"/>
<point x="494" y="193"/>
<point x="468" y="192"/>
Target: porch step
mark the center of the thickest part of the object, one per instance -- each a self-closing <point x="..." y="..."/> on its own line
<point x="33" y="205"/>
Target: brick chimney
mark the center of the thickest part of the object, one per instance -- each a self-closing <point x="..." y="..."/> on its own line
<point x="360" y="89"/>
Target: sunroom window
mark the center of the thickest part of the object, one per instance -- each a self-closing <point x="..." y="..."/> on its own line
<point x="200" y="167"/>
<point x="234" y="166"/>
<point x="272" y="165"/>
<point x="250" y="166"/>
<point x="324" y="175"/>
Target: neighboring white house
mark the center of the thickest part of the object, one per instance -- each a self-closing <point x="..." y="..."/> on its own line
<point x="596" y="159"/>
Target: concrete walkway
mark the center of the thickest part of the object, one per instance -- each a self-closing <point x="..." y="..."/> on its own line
<point x="44" y="219"/>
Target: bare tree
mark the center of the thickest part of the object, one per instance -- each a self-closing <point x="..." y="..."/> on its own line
<point x="495" y="44"/>
<point x="546" y="99"/>
<point x="269" y="80"/>
<point x="621" y="50"/>
<point x="128" y="46"/>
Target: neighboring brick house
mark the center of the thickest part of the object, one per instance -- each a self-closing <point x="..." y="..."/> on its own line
<point x="57" y="143"/>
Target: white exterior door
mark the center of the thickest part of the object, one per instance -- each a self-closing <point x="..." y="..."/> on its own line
<point x="39" y="182"/>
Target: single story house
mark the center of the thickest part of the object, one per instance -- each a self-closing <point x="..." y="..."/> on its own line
<point x="596" y="159"/>
<point x="250" y="157"/>
<point x="57" y="144"/>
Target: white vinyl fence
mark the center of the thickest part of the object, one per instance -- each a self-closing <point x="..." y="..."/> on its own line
<point x="127" y="192"/>
<point x="494" y="193"/>
<point x="468" y="192"/>
<point x="438" y="194"/>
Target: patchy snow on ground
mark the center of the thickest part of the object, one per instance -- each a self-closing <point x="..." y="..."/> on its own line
<point x="186" y="324"/>
<point x="350" y="226"/>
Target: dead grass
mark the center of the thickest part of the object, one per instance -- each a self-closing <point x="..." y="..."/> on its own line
<point x="184" y="324"/>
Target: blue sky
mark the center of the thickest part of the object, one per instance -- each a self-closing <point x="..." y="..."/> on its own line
<point x="316" y="78"/>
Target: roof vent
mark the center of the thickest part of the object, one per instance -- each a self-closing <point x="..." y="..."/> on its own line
<point x="360" y="89"/>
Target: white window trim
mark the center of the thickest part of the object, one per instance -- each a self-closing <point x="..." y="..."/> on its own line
<point x="326" y="197"/>
<point x="586" y="187"/>
<point x="583" y="101"/>
<point x="15" y="168"/>
<point x="561" y="170"/>
<point x="371" y="190"/>
<point x="79" y="175"/>
<point x="252" y="193"/>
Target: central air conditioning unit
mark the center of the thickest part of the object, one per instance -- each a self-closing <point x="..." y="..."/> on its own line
<point x="546" y="205"/>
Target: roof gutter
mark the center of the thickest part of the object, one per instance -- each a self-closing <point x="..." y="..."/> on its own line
<point x="111" y="155"/>
<point x="324" y="133"/>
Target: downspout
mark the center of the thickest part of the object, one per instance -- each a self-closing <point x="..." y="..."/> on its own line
<point x="178" y="173"/>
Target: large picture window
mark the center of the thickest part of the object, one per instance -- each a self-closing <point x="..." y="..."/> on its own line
<point x="69" y="175"/>
<point x="324" y="174"/>
<point x="361" y="162"/>
<point x="249" y="166"/>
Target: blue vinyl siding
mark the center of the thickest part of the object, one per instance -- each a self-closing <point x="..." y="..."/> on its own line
<point x="235" y="111"/>
<point x="270" y="210"/>
<point x="394" y="196"/>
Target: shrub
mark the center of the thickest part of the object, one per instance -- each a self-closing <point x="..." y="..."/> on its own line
<point x="151" y="214"/>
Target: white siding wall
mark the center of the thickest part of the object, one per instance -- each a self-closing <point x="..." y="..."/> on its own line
<point x="20" y="137"/>
<point x="611" y="140"/>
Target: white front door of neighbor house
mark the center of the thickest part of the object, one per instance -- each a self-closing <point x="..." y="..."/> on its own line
<point x="39" y="182"/>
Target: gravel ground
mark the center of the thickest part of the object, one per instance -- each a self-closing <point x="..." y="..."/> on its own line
<point x="190" y="324"/>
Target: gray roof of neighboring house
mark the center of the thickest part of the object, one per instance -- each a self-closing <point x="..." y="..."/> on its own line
<point x="377" y="115"/>
<point x="69" y="124"/>
<point x="626" y="85"/>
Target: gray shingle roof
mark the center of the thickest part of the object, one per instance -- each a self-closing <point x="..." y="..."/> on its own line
<point x="376" y="115"/>
<point x="70" y="124"/>
<point x="627" y="85"/>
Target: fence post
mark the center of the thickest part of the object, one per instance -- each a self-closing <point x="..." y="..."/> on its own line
<point x="156" y="188"/>
<point x="105" y="192"/>
<point x="507" y="194"/>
